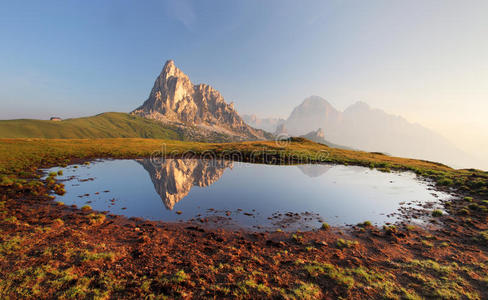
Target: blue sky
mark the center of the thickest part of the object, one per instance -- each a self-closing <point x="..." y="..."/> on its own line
<point x="425" y="60"/>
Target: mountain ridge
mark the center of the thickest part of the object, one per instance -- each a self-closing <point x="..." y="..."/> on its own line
<point x="174" y="99"/>
<point x="267" y="124"/>
<point x="363" y="127"/>
<point x="104" y="125"/>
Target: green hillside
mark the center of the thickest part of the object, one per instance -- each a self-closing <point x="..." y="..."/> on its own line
<point x="105" y="125"/>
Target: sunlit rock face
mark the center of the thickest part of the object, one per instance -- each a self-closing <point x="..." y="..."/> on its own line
<point x="174" y="99"/>
<point x="174" y="178"/>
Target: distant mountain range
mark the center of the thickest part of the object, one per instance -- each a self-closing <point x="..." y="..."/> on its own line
<point x="268" y="124"/>
<point x="318" y="136"/>
<point x="178" y="109"/>
<point x="364" y="128"/>
<point x="175" y="100"/>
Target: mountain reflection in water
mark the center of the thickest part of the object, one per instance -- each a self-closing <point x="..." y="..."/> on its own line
<point x="243" y="194"/>
<point x="314" y="170"/>
<point x="174" y="178"/>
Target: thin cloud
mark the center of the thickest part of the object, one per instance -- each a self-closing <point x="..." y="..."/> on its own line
<point x="182" y="11"/>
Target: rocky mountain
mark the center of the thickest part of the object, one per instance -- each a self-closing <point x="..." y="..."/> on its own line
<point x="365" y="128"/>
<point x="317" y="136"/>
<point x="176" y="100"/>
<point x="174" y="178"/>
<point x="267" y="124"/>
<point x="313" y="113"/>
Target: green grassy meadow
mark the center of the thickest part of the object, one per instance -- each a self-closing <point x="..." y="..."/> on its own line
<point x="105" y="125"/>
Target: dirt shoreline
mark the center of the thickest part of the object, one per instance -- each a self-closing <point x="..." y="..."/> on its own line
<point x="49" y="250"/>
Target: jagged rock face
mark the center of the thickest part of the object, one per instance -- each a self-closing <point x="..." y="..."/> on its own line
<point x="175" y="99"/>
<point x="174" y="178"/>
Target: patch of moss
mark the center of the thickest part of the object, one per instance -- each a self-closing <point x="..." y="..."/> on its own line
<point x="86" y="207"/>
<point x="91" y="256"/>
<point x="437" y="213"/>
<point x="365" y="224"/>
<point x="96" y="219"/>
<point x="306" y="290"/>
<point x="444" y="181"/>
<point x="179" y="277"/>
<point x="342" y="243"/>
<point x="483" y="237"/>
<point x="6" y="181"/>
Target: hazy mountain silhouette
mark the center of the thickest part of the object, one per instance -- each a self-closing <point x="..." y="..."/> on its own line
<point x="314" y="112"/>
<point x="268" y="124"/>
<point x="364" y="128"/>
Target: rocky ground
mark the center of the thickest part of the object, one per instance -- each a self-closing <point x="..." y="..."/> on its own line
<point x="49" y="250"/>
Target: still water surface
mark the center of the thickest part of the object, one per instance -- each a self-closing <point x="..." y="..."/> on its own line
<point x="255" y="196"/>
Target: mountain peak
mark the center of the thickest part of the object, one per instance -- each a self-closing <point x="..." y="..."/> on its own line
<point x="169" y="62"/>
<point x="312" y="111"/>
<point x="358" y="106"/>
<point x="174" y="99"/>
<point x="315" y="100"/>
<point x="170" y="70"/>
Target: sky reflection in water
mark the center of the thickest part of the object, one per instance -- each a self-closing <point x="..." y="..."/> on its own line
<point x="242" y="194"/>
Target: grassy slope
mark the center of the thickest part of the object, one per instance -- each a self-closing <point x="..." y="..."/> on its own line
<point x="26" y="155"/>
<point x="106" y="125"/>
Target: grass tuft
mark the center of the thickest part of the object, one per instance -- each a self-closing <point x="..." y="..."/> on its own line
<point x="86" y="207"/>
<point x="325" y="226"/>
<point x="343" y="244"/>
<point x="437" y="213"/>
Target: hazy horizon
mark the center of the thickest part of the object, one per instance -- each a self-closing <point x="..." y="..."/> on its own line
<point x="424" y="61"/>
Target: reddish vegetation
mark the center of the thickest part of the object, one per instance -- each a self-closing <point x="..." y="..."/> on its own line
<point x="49" y="250"/>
